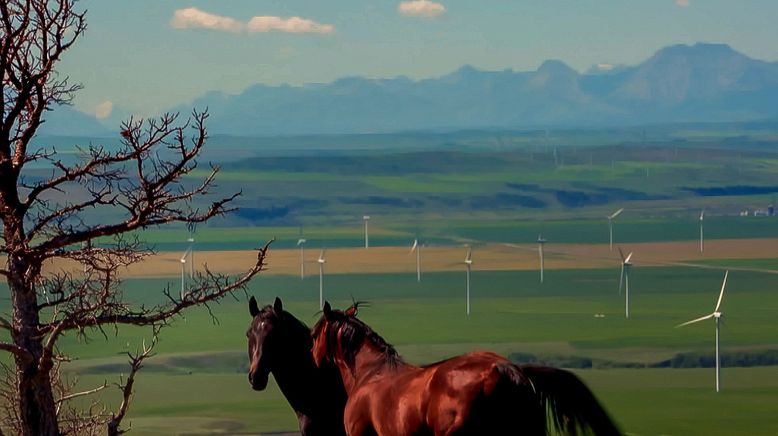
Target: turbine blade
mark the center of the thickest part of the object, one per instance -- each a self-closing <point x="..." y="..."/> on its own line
<point x="469" y="257"/>
<point x="702" y="318"/>
<point x="621" y="253"/>
<point x="721" y="295"/>
<point x="621" y="278"/>
<point x="702" y="215"/>
<point x="629" y="256"/>
<point x="186" y="253"/>
<point x="321" y="255"/>
<point x="415" y="244"/>
<point x="617" y="213"/>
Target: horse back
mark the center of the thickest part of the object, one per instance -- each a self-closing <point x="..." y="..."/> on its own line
<point x="481" y="393"/>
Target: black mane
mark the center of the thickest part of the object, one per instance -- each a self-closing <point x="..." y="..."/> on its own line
<point x="353" y="333"/>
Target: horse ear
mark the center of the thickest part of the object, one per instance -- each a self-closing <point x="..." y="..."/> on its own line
<point x="278" y="306"/>
<point x="351" y="311"/>
<point x="253" y="308"/>
<point x="327" y="311"/>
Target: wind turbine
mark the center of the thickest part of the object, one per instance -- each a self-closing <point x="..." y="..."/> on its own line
<point x="183" y="261"/>
<point x="625" y="265"/>
<point x="541" y="242"/>
<point x="717" y="316"/>
<point x="611" y="217"/>
<point x="468" y="265"/>
<point x="702" y="241"/>
<point x="366" y="218"/>
<point x="321" y="278"/>
<point x="301" y="243"/>
<point x="417" y="249"/>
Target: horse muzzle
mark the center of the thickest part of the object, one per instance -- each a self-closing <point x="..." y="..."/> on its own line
<point x="258" y="380"/>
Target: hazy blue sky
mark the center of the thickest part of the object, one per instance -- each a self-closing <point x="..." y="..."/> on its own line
<point x="144" y="56"/>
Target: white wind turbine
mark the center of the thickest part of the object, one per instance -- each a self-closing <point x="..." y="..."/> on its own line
<point x="468" y="265"/>
<point x="321" y="278"/>
<point x="417" y="248"/>
<point x="716" y="314"/>
<point x="625" y="266"/>
<point x="183" y="261"/>
<point x="541" y="243"/>
<point x="611" y="217"/>
<point x="301" y="244"/>
<point x="366" y="218"/>
<point x="702" y="241"/>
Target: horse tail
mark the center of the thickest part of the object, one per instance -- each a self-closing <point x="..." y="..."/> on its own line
<point x="570" y="403"/>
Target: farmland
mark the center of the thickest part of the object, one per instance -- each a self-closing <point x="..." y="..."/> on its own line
<point x="512" y="312"/>
<point x="496" y="196"/>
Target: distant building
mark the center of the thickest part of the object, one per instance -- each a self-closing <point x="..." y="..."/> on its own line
<point x="770" y="210"/>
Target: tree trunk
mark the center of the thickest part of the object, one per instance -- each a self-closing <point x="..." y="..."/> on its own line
<point x="37" y="408"/>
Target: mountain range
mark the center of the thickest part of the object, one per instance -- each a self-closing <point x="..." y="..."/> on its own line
<point x="681" y="83"/>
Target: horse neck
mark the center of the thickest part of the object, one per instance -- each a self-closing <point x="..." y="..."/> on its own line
<point x="301" y="381"/>
<point x="369" y="360"/>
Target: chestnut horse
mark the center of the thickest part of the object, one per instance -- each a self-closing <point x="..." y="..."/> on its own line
<point x="478" y="393"/>
<point x="281" y="344"/>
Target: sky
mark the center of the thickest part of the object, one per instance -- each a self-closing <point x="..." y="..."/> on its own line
<point x="145" y="56"/>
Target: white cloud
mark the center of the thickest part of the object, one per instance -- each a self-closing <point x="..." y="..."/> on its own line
<point x="421" y="8"/>
<point x="104" y="109"/>
<point x="193" y="18"/>
<point x="288" y="25"/>
<point x="683" y="3"/>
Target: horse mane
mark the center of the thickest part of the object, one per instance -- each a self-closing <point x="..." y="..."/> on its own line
<point x="353" y="333"/>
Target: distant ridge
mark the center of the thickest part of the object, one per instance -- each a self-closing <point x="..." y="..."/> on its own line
<point x="680" y="83"/>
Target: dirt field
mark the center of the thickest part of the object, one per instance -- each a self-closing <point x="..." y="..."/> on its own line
<point x="485" y="257"/>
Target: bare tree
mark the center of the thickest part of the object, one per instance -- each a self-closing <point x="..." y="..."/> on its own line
<point x="109" y="194"/>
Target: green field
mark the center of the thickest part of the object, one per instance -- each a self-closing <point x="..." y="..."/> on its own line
<point x="197" y="383"/>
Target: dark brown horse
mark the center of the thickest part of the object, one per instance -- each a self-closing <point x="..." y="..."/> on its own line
<point x="281" y="344"/>
<point x="478" y="393"/>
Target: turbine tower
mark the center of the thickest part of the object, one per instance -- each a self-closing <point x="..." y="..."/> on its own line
<point x="366" y="218"/>
<point x="301" y="244"/>
<point x="468" y="265"/>
<point x="417" y="249"/>
<point x="611" y="217"/>
<point x="702" y="240"/>
<point x="183" y="261"/>
<point x="625" y="266"/>
<point x="191" y="256"/>
<point x="321" y="278"/>
<point x="717" y="316"/>
<point x="541" y="242"/>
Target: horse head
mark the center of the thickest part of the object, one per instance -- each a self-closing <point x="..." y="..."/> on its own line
<point x="265" y="337"/>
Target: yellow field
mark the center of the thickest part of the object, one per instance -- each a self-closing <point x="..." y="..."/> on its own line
<point x="485" y="257"/>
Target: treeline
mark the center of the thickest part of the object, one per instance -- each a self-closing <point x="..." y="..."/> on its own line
<point x="680" y="360"/>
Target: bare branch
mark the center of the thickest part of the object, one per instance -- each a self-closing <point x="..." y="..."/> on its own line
<point x="5" y="324"/>
<point x="136" y="363"/>
<point x="18" y="351"/>
<point x="211" y="288"/>
<point x="83" y="393"/>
